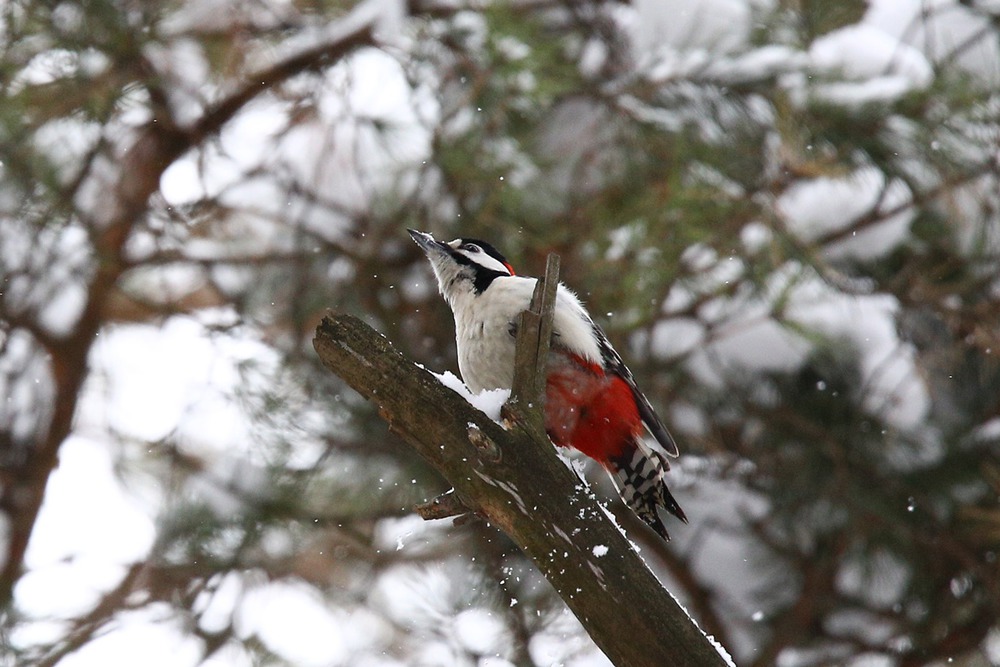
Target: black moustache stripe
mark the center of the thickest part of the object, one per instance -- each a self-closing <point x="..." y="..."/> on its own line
<point x="481" y="276"/>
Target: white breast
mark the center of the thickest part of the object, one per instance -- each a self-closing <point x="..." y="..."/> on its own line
<point x="483" y="324"/>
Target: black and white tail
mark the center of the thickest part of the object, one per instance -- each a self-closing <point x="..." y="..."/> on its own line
<point x="640" y="475"/>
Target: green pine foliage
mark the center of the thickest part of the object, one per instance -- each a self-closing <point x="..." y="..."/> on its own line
<point x="836" y="394"/>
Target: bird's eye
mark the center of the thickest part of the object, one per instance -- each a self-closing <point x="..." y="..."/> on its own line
<point x="471" y="247"/>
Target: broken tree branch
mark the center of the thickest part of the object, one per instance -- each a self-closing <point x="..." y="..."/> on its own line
<point x="519" y="484"/>
<point x="534" y="336"/>
<point x="526" y="404"/>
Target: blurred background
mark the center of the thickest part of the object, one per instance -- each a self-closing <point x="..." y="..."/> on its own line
<point x="785" y="214"/>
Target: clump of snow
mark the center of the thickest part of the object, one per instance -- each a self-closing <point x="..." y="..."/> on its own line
<point x="661" y="27"/>
<point x="488" y="401"/>
<point x="877" y="66"/>
<point x="988" y="430"/>
<point x="824" y="206"/>
<point x="743" y="335"/>
<point x="699" y="257"/>
<point x="880" y="578"/>
<point x="945" y="32"/>
<point x="290" y="618"/>
<point x="688" y="418"/>
<point x="761" y="331"/>
<point x="676" y="337"/>
<point x="755" y="236"/>
<point x="758" y="63"/>
<point x="409" y="532"/>
<point x="756" y="340"/>
<point x="895" y="389"/>
<point x="193" y="391"/>
<point x="215" y="609"/>
<point x="600" y="551"/>
<point x="720" y="649"/>
<point x="573" y="460"/>
<point x="452" y="381"/>
<point x="564" y="642"/>
<point x="479" y="632"/>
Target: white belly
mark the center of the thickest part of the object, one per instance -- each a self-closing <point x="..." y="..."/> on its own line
<point x="483" y="326"/>
<point x="486" y="350"/>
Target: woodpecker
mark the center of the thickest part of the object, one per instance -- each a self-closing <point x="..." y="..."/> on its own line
<point x="592" y="403"/>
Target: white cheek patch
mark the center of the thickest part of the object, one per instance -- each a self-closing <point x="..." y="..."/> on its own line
<point x="486" y="261"/>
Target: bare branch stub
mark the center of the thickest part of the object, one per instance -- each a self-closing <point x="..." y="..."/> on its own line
<point x="546" y="308"/>
<point x="534" y="335"/>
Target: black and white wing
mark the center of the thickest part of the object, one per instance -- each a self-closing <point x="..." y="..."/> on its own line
<point x="614" y="364"/>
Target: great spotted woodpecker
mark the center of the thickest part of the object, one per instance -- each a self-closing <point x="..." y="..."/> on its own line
<point x="591" y="401"/>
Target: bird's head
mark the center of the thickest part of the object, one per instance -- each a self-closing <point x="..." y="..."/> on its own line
<point x="462" y="266"/>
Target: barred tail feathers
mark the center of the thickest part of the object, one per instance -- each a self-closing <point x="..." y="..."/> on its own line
<point x="639" y="473"/>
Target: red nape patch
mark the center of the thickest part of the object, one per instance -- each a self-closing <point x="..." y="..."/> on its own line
<point x="509" y="268"/>
<point x="589" y="410"/>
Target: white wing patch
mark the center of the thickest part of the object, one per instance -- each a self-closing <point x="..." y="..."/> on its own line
<point x="573" y="326"/>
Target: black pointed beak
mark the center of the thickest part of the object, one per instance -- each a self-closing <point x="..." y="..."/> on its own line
<point x="424" y="240"/>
